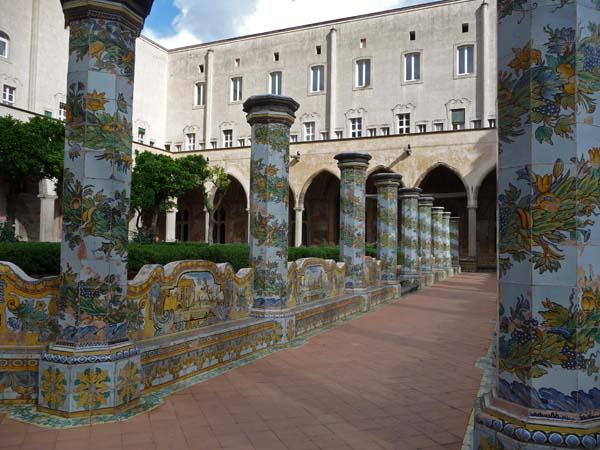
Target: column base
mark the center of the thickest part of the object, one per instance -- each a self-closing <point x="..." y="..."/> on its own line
<point x="92" y="380"/>
<point x="285" y="319"/>
<point x="449" y="272"/>
<point x="457" y="270"/>
<point x="469" y="264"/>
<point x="503" y="425"/>
<point x="440" y="274"/>
<point x="427" y="279"/>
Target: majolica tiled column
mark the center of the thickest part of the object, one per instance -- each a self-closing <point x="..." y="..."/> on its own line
<point x="455" y="243"/>
<point x="93" y="367"/>
<point x="270" y="117"/>
<point x="387" y="224"/>
<point x="437" y="242"/>
<point x="353" y="168"/>
<point x="409" y="226"/>
<point x="447" y="252"/>
<point x="425" y="205"/>
<point x="548" y="339"/>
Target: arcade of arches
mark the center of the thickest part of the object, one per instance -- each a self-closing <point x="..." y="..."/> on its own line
<point x="319" y="210"/>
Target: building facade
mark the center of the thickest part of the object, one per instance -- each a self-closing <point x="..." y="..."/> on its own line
<point x="415" y="87"/>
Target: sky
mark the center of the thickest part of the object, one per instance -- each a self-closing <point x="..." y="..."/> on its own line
<point x="177" y="23"/>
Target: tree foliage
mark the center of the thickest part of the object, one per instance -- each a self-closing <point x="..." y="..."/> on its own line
<point x="157" y="179"/>
<point x="29" y="152"/>
<point x="217" y="183"/>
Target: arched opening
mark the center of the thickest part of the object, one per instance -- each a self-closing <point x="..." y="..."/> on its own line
<point x="486" y="222"/>
<point x="371" y="207"/>
<point x="190" y="217"/>
<point x="322" y="210"/>
<point x="448" y="190"/>
<point x="232" y="216"/>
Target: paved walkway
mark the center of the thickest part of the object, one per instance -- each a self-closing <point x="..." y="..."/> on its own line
<point x="402" y="378"/>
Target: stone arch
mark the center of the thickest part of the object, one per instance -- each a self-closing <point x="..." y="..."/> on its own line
<point x="232" y="214"/>
<point x="450" y="191"/>
<point x="476" y="178"/>
<point x="309" y="181"/>
<point x="321" y="215"/>
<point x="485" y="201"/>
<point x="437" y="165"/>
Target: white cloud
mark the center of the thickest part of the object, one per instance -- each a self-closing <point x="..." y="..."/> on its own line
<point x="182" y="39"/>
<point x="208" y="20"/>
<point x="275" y="14"/>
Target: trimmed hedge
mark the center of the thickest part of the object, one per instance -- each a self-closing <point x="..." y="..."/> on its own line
<point x="39" y="259"/>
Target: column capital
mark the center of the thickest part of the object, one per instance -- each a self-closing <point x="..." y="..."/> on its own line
<point x="133" y="12"/>
<point x="437" y="209"/>
<point x="346" y="160"/>
<point x="270" y="109"/>
<point x="299" y="209"/>
<point x="447" y="214"/>
<point x="409" y="192"/>
<point x="387" y="179"/>
<point x="472" y="205"/>
<point x="426" y="201"/>
<point x="455" y="219"/>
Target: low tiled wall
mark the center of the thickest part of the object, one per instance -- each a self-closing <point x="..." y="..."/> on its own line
<point x="189" y="317"/>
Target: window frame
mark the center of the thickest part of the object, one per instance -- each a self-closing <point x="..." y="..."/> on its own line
<point x="421" y="128"/>
<point x="200" y="88"/>
<point x="6" y="40"/>
<point x="62" y="111"/>
<point x="313" y="126"/>
<point x="464" y="122"/>
<point x="232" y="90"/>
<point x="384" y="131"/>
<point x="438" y="124"/>
<point x="190" y="138"/>
<point x="8" y="89"/>
<point x="228" y="138"/>
<point x="357" y="73"/>
<point x="279" y="82"/>
<point x="322" y="79"/>
<point x="405" y="56"/>
<point x="405" y="126"/>
<point x="457" y="60"/>
<point x="356" y="127"/>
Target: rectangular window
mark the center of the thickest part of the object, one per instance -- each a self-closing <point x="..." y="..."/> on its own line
<point x="227" y="138"/>
<point x="317" y="83"/>
<point x="372" y="132"/>
<point x="324" y="136"/>
<point x="458" y="119"/>
<point x="476" y="124"/>
<point x="276" y="56"/>
<point x="412" y="67"/>
<point x="356" y="127"/>
<point x="339" y="135"/>
<point x="385" y="131"/>
<point x="62" y="111"/>
<point x="318" y="49"/>
<point x="8" y="94"/>
<point x="309" y="131"/>
<point x="48" y="114"/>
<point x="242" y="142"/>
<point x="199" y="97"/>
<point x="213" y="144"/>
<point x="404" y="123"/>
<point x="141" y="134"/>
<point x="238" y="61"/>
<point x="363" y="73"/>
<point x="412" y="35"/>
<point x="465" y="59"/>
<point x="492" y="123"/>
<point x="293" y="138"/>
<point x="3" y="47"/>
<point x="465" y="27"/>
<point x="168" y="147"/>
<point x="276" y="79"/>
<point x="421" y="128"/>
<point x="190" y="141"/>
<point x="236" y="89"/>
<point x="363" y="43"/>
<point x="177" y="147"/>
<point x="438" y="126"/>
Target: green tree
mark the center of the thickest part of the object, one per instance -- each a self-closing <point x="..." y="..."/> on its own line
<point x="156" y="179"/>
<point x="219" y="182"/>
<point x="29" y="152"/>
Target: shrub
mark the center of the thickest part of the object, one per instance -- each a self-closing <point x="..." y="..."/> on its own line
<point x="39" y="259"/>
<point x="7" y="233"/>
